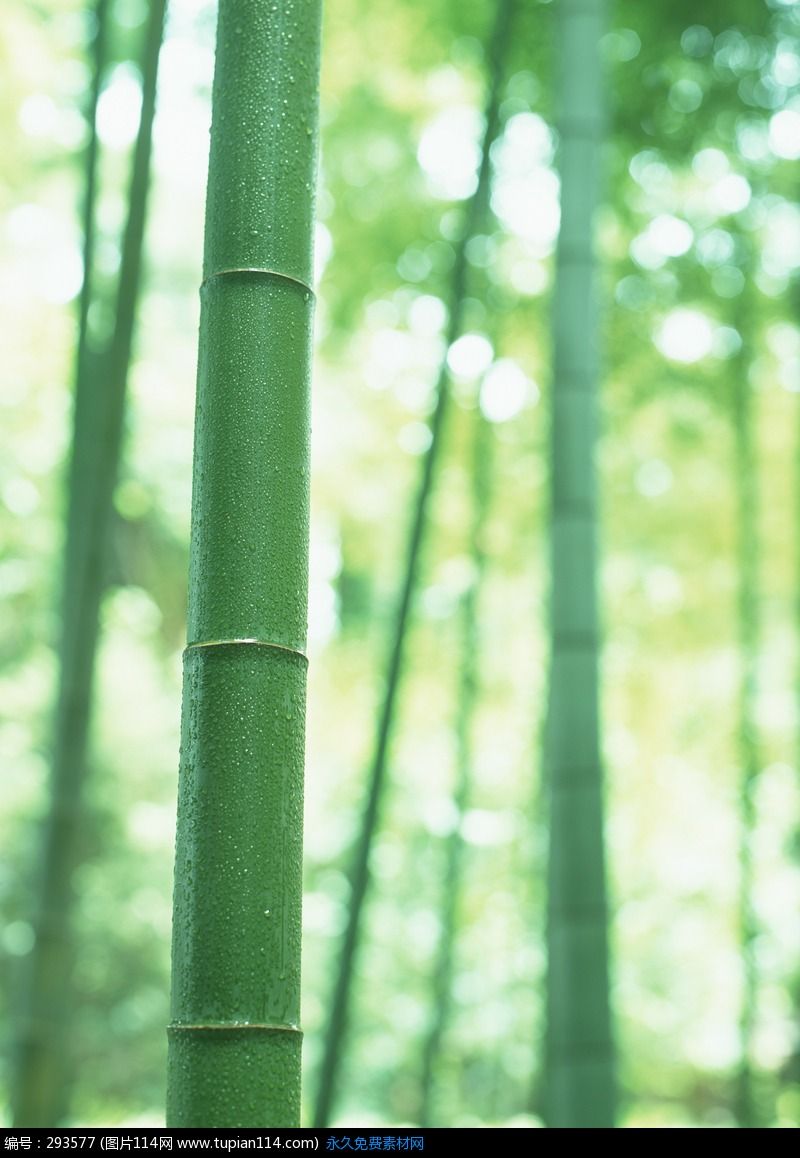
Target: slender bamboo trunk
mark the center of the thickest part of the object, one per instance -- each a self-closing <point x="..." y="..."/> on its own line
<point x="335" y="1036"/>
<point x="86" y="356"/>
<point x="791" y="1071"/>
<point x="99" y="407"/>
<point x="469" y="684"/>
<point x="234" y="1041"/>
<point x="580" y="1055"/>
<point x="749" y="630"/>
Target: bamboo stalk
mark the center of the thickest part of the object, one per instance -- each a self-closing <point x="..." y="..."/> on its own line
<point x="749" y="632"/>
<point x="335" y="1035"/>
<point x="99" y="407"/>
<point x="86" y="356"/>
<point x="234" y="1040"/>
<point x="580" y="1055"/>
<point x="469" y="688"/>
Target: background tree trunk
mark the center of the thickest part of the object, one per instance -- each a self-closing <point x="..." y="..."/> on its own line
<point x="580" y="1056"/>
<point x="101" y="383"/>
<point x="468" y="693"/>
<point x="335" y="1036"/>
<point x="745" y="471"/>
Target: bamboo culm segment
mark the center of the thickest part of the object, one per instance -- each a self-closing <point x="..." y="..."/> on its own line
<point x="335" y="1035"/>
<point x="580" y="1080"/>
<point x="468" y="692"/>
<point x="234" y="1041"/>
<point x="101" y="382"/>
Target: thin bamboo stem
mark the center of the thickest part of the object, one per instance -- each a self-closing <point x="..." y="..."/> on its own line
<point x="468" y="692"/>
<point x="86" y="354"/>
<point x="335" y="1036"/>
<point x="749" y="632"/>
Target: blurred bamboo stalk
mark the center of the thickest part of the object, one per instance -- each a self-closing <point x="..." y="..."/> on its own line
<point x="745" y="470"/>
<point x="101" y="380"/>
<point x="234" y="1038"/>
<point x="86" y="368"/>
<point x="579" y="1072"/>
<point x="334" y="1048"/>
<point x="468" y="693"/>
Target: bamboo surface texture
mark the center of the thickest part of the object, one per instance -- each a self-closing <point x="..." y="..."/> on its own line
<point x="234" y="1039"/>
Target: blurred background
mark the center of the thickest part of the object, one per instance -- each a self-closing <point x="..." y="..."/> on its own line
<point x="699" y="242"/>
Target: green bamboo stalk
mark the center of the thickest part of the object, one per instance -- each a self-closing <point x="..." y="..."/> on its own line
<point x="580" y="1055"/>
<point x="749" y="632"/>
<point x="40" y="1096"/>
<point x="335" y="1036"/>
<point x="790" y="1074"/>
<point x="791" y="1070"/>
<point x="469" y="686"/>
<point x="86" y="353"/>
<point x="234" y="1040"/>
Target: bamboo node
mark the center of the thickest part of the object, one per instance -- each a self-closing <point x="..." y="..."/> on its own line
<point x="247" y="642"/>
<point x="228" y="1026"/>
<point x="263" y="272"/>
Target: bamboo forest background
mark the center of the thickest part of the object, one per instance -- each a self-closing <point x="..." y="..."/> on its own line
<point x="698" y="242"/>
